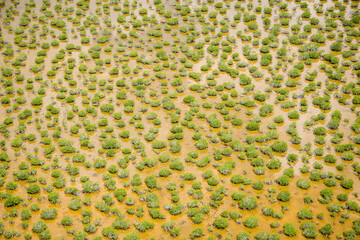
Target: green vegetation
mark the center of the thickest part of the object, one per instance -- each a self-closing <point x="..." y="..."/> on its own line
<point x="125" y="119"/>
<point x="279" y="146"/>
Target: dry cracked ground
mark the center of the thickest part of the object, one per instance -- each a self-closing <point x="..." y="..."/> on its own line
<point x="200" y="119"/>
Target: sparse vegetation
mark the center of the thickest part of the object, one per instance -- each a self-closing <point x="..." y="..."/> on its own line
<point x="135" y="116"/>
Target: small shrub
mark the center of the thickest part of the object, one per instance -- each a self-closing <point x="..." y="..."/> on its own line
<point x="221" y="223"/>
<point x="284" y="196"/>
<point x="48" y="214"/>
<point x="279" y="146"/>
<point x="290" y="230"/>
<point x="251" y="222"/>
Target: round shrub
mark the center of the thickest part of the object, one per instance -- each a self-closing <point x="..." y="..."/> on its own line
<point x="201" y="144"/>
<point x="283" y="180"/>
<point x="294" y="114"/>
<point x="292" y="157"/>
<point x="303" y="183"/>
<point x="39" y="227"/>
<point x="305" y="213"/>
<point x="33" y="189"/>
<point x="243" y="236"/>
<point x="248" y="203"/>
<point x="251" y="222"/>
<point x="252" y="126"/>
<point x="48" y="214"/>
<point x="320" y="131"/>
<point x="150" y="181"/>
<point x="347" y="183"/>
<point x="221" y="223"/>
<point x="258" y="185"/>
<point x="309" y="230"/>
<point x="279" y="146"/>
<point x="326" y="230"/>
<point x="329" y="158"/>
<point x="159" y="144"/>
<point x="110" y="143"/>
<point x="284" y="196"/>
<point x="274" y="164"/>
<point x="289" y="229"/>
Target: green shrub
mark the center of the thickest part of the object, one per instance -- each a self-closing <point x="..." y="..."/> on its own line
<point x="303" y="184"/>
<point x="201" y="144"/>
<point x="294" y="73"/>
<point x="284" y="196"/>
<point x="100" y="163"/>
<point x="343" y="197"/>
<point x="78" y="158"/>
<point x="33" y="189"/>
<point x="74" y="204"/>
<point x="278" y="119"/>
<point x="329" y="158"/>
<point x="221" y="223"/>
<point x="356" y="226"/>
<point x="252" y="126"/>
<point x="258" y="185"/>
<point x="16" y="143"/>
<point x="237" y="122"/>
<point x="336" y="46"/>
<point x="326" y="230"/>
<point x="12" y="201"/>
<point x="25" y="214"/>
<point x="39" y="227"/>
<point x="81" y="235"/>
<point x="53" y="197"/>
<point x="349" y="156"/>
<point x="150" y="181"/>
<point x="110" y="233"/>
<point x="110" y="143"/>
<point x="265" y="110"/>
<point x="136" y="180"/>
<point x="48" y="214"/>
<point x="159" y="144"/>
<point x="175" y="146"/>
<point x="11" y="186"/>
<point x="213" y="181"/>
<point x="320" y="131"/>
<point x="274" y="164"/>
<point x="248" y="203"/>
<point x="132" y="236"/>
<point x="251" y="222"/>
<point x="292" y="157"/>
<point x="144" y="225"/>
<point x="243" y="236"/>
<point x="347" y="183"/>
<point x="289" y="229"/>
<point x="121" y="223"/>
<point x="196" y="233"/>
<point x="68" y="149"/>
<point x="305" y="213"/>
<point x="120" y="194"/>
<point x="35" y="207"/>
<point x="334" y="208"/>
<point x="283" y="180"/>
<point x="237" y="179"/>
<point x="37" y="101"/>
<point x="189" y="99"/>
<point x="279" y="146"/>
<point x="108" y="108"/>
<point x="90" y="187"/>
<point x="294" y="114"/>
<point x="309" y="230"/>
